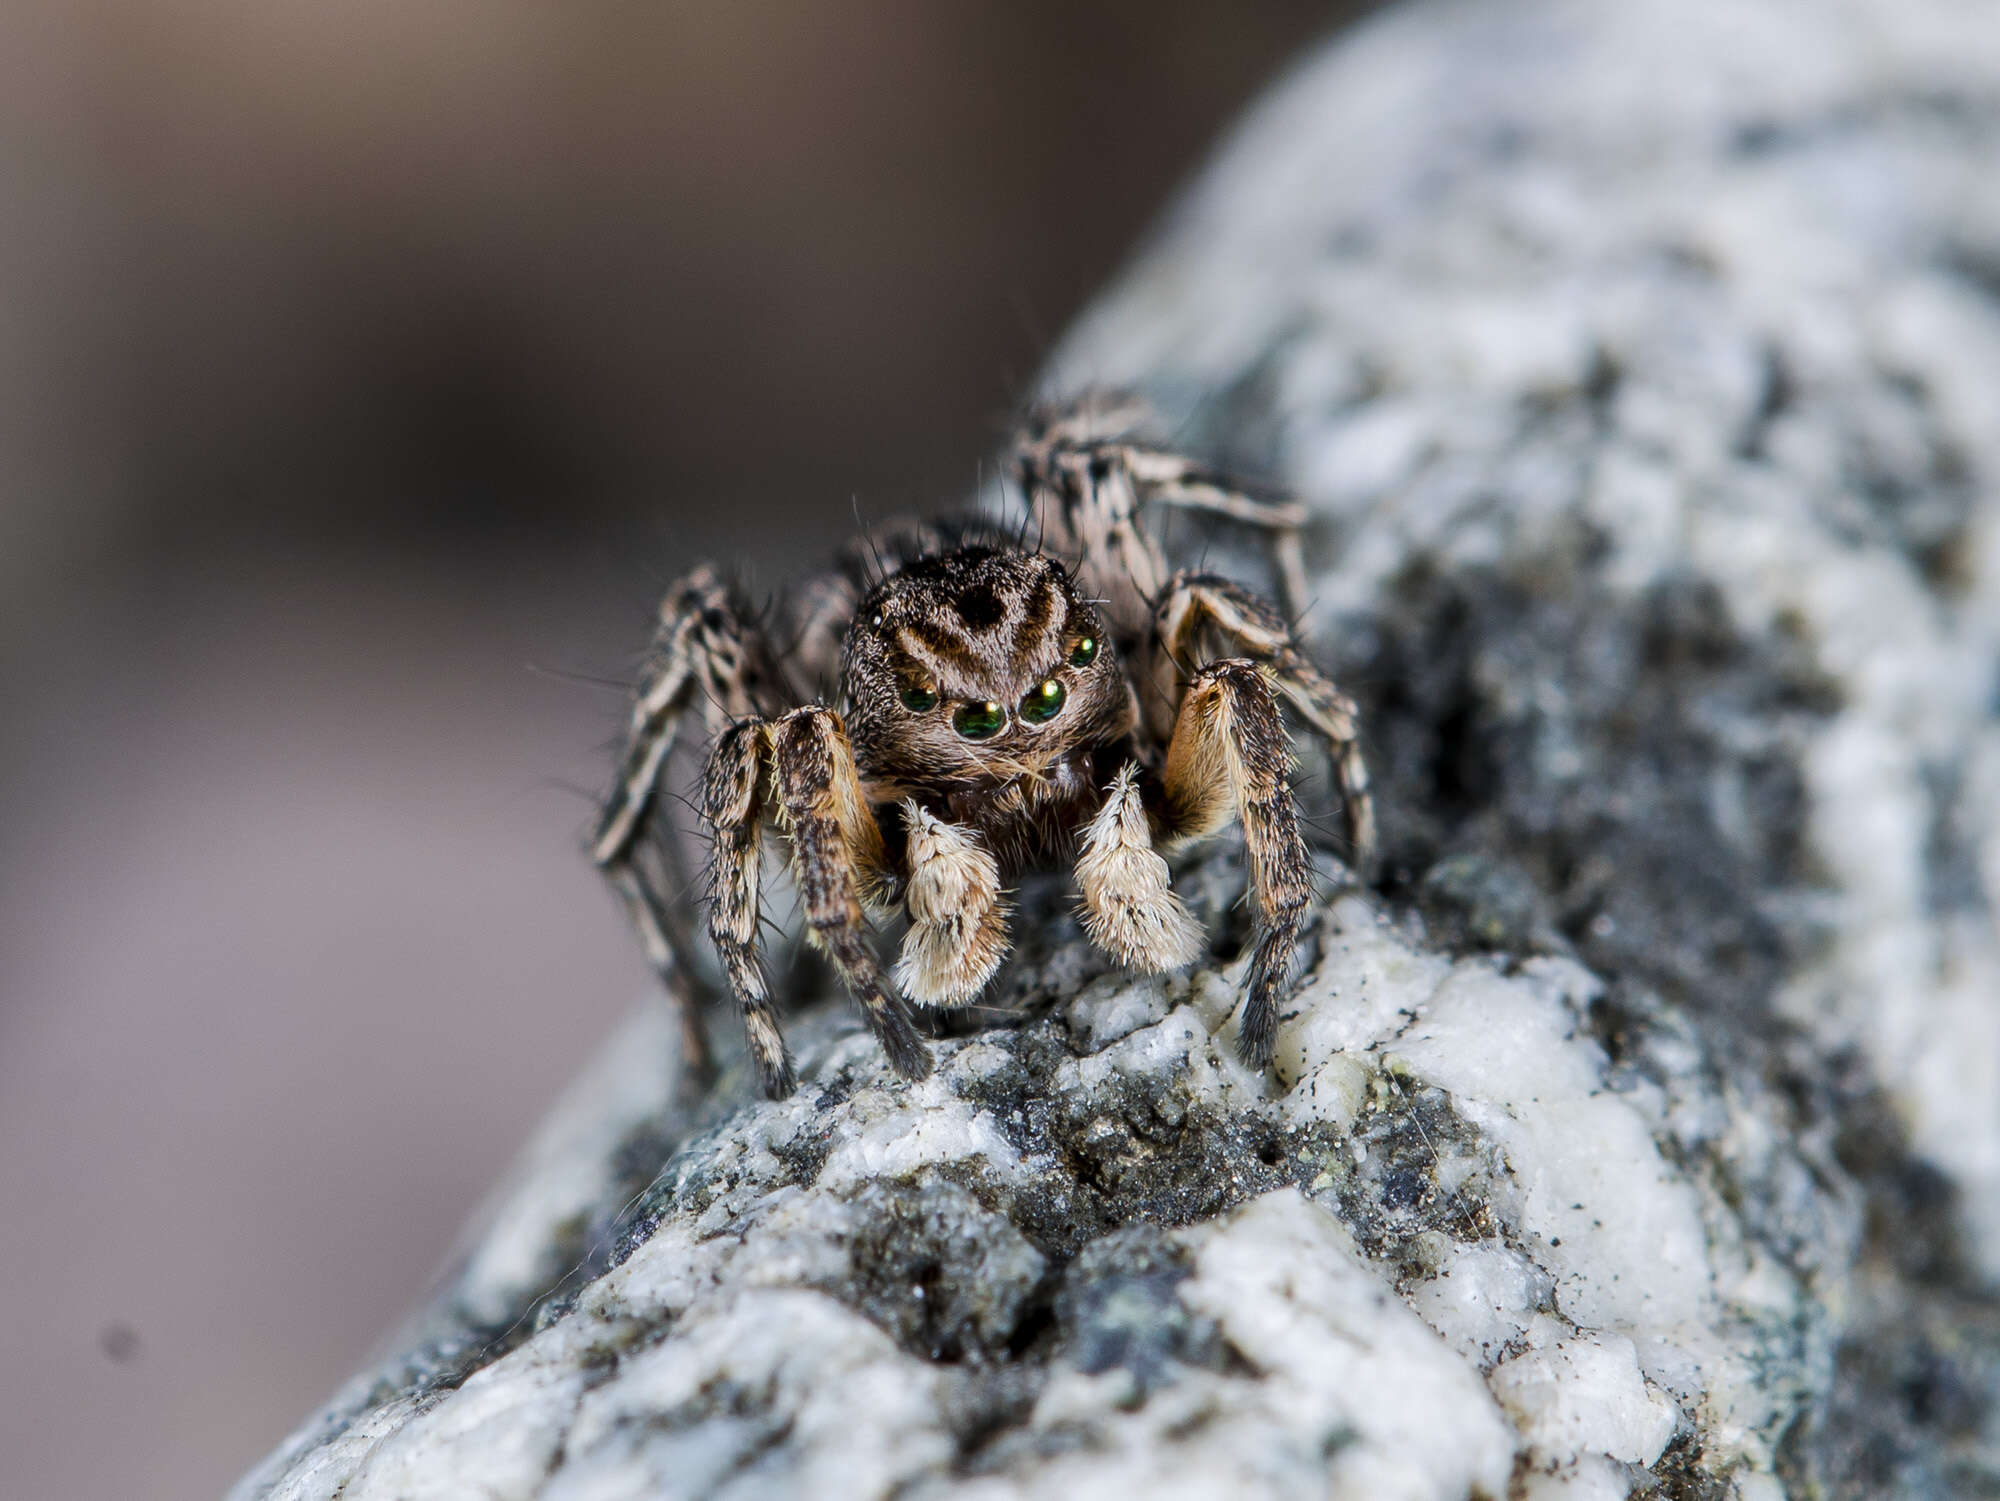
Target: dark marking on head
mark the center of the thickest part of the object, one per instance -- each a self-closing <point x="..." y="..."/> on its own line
<point x="941" y="644"/>
<point x="979" y="607"/>
<point x="1039" y="615"/>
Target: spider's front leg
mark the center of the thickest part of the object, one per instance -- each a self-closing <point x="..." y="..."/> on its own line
<point x="1202" y="615"/>
<point x="837" y="852"/>
<point x="958" y="917"/>
<point x="1230" y="754"/>
<point x="801" y="770"/>
<point x="1129" y="907"/>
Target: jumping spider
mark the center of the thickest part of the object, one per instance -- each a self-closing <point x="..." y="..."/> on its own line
<point x="999" y="713"/>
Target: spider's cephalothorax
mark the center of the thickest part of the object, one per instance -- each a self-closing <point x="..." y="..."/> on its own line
<point x="998" y="714"/>
<point x="980" y="688"/>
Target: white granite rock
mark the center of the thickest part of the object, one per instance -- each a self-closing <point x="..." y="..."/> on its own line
<point x="1711" y="290"/>
<point x="1640" y="1133"/>
<point x="1094" y="1254"/>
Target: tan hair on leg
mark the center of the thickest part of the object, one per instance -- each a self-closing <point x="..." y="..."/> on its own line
<point x="836" y="852"/>
<point x="1202" y="616"/>
<point x="958" y="918"/>
<point x="1129" y="909"/>
<point x="1230" y="747"/>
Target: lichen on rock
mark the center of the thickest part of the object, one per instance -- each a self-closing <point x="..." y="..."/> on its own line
<point x="1639" y="1134"/>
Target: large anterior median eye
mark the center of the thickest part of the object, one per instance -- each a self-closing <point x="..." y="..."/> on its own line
<point x="978" y="721"/>
<point x="1043" y="702"/>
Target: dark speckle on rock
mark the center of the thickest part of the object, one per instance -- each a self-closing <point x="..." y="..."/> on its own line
<point x="1474" y="902"/>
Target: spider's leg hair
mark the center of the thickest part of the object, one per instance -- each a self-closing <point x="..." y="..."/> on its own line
<point x="868" y="540"/>
<point x="1230" y="757"/>
<point x="1127" y="900"/>
<point x="836" y="848"/>
<point x="736" y="798"/>
<point x="703" y="659"/>
<point x="649" y="921"/>
<point x="1203" y="607"/>
<point x="571" y="675"/>
<point x="958" y="913"/>
<point x="564" y="784"/>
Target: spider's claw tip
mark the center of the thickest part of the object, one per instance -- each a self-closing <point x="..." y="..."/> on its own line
<point x="778" y="1079"/>
<point x="908" y="1055"/>
<point x="1255" y="1048"/>
<point x="1258" y="1030"/>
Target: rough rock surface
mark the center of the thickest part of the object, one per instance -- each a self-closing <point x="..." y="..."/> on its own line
<point x="1640" y="1134"/>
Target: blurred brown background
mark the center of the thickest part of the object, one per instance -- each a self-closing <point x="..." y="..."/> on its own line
<point x="352" y="359"/>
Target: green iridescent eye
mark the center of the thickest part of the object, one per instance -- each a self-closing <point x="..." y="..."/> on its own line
<point x="978" y="721"/>
<point x="920" y="698"/>
<point x="1043" y="702"/>
<point x="1084" y="652"/>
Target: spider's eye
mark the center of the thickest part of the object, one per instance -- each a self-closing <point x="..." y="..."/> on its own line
<point x="1083" y="653"/>
<point x="978" y="721"/>
<point x="1043" y="702"/>
<point x="920" y="698"/>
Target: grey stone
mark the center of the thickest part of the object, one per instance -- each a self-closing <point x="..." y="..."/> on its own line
<point x="1640" y="1134"/>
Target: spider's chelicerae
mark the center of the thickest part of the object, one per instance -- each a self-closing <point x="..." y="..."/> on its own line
<point x="998" y="712"/>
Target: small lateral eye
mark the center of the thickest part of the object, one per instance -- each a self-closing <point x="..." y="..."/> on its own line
<point x="978" y="721"/>
<point x="1084" y="652"/>
<point x="1043" y="702"/>
<point x="920" y="698"/>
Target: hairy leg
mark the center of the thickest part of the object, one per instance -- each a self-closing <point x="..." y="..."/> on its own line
<point x="1088" y="509"/>
<point x="1129" y="909"/>
<point x="819" y="611"/>
<point x="958" y="918"/>
<point x="837" y="854"/>
<point x="1202" y="616"/>
<point x="1172" y="479"/>
<point x="1085" y="477"/>
<point x="1230" y="755"/>
<point x="815" y="624"/>
<point x="735" y="798"/>
<point x="648" y="916"/>
<point x="703" y="660"/>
